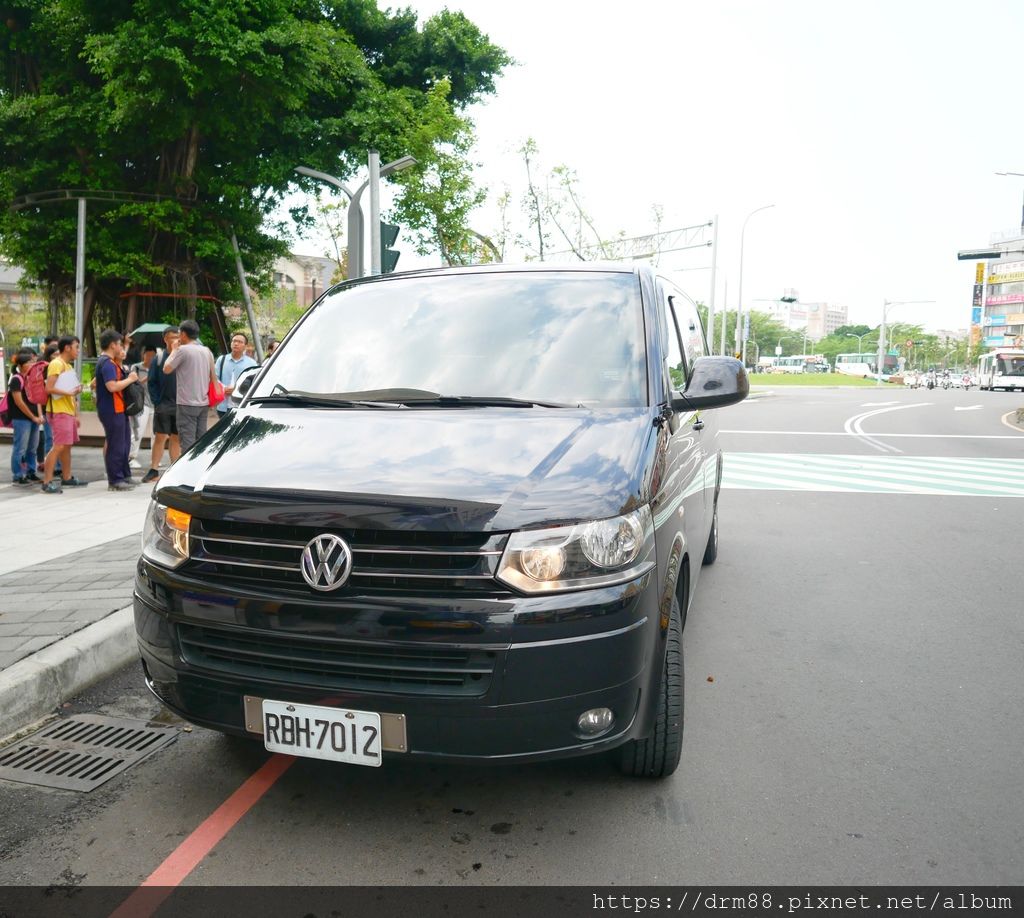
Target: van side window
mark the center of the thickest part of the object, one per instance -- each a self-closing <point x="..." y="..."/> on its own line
<point x="675" y="367"/>
<point x="690" y="328"/>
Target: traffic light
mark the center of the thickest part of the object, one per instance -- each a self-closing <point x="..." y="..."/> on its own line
<point x="388" y="256"/>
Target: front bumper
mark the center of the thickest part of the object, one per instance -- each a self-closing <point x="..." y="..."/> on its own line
<point x="546" y="660"/>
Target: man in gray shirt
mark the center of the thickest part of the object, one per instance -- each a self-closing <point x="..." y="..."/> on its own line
<point x="192" y="364"/>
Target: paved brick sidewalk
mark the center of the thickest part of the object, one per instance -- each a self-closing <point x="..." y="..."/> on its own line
<point x="43" y="603"/>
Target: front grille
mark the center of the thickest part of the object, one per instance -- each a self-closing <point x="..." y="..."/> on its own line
<point x="389" y="561"/>
<point x="326" y="664"/>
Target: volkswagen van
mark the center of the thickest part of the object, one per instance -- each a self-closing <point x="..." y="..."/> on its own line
<point x="460" y="515"/>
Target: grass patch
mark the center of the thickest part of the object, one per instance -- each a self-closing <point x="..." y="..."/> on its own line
<point x="775" y="380"/>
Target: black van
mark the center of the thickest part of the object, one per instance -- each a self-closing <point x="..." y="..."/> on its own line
<point x="459" y="515"/>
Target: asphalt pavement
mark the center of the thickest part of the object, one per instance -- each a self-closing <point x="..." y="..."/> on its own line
<point x="852" y="711"/>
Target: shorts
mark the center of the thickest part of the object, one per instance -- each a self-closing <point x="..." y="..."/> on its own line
<point x="165" y="420"/>
<point x="65" y="429"/>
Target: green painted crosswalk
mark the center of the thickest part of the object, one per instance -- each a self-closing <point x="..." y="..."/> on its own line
<point x="875" y="474"/>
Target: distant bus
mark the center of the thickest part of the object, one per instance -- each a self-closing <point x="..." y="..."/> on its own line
<point x="1002" y="369"/>
<point x="798" y="363"/>
<point x="865" y="364"/>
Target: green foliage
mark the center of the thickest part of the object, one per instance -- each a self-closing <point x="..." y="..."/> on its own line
<point x="203" y="108"/>
<point x="765" y="332"/>
<point x="844" y="330"/>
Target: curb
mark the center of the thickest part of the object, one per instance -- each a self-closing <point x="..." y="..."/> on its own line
<point x="35" y="686"/>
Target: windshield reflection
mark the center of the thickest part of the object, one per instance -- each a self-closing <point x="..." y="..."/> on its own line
<point x="551" y="336"/>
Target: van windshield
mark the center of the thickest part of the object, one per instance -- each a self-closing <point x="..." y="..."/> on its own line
<point x="546" y="337"/>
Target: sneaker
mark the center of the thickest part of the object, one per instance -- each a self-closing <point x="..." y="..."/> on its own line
<point x="32" y="476"/>
<point x="52" y="488"/>
<point x="73" y="482"/>
<point x="121" y="486"/>
<point x="23" y="480"/>
<point x="151" y="475"/>
<point x="134" y="464"/>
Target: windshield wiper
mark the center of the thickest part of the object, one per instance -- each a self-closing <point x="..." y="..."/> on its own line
<point x="397" y="398"/>
<point x="485" y="401"/>
<point x="279" y="395"/>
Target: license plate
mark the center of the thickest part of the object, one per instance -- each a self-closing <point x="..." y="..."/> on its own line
<point x="322" y="733"/>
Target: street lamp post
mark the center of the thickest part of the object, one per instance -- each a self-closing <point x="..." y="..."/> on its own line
<point x="741" y="348"/>
<point x="881" y="332"/>
<point x="355" y="211"/>
<point x="860" y="340"/>
<point x="1020" y="175"/>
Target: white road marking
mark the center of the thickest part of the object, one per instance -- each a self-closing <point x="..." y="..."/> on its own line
<point x="853" y="425"/>
<point x="877" y="404"/>
<point x="1006" y="420"/>
<point x="886" y="436"/>
<point x="875" y="474"/>
<point x="967" y="408"/>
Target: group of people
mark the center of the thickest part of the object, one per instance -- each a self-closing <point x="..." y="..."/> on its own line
<point x="175" y="383"/>
<point x="45" y="418"/>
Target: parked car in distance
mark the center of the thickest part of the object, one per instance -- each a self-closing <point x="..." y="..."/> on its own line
<point x="459" y="515"/>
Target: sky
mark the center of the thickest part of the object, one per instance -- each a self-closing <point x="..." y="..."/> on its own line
<point x="874" y="128"/>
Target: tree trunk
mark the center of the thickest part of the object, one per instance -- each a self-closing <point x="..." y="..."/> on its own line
<point x="133" y="313"/>
<point x="88" y="333"/>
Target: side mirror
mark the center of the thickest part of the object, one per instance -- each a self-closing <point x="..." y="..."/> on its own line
<point x="714" y="383"/>
<point x="244" y="383"/>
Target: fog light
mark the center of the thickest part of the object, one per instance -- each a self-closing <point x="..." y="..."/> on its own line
<point x="595" y="721"/>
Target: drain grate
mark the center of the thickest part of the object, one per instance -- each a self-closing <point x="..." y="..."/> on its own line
<point x="82" y="752"/>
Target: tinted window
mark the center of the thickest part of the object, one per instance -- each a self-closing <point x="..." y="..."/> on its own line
<point x="674" y="365"/>
<point x="690" y="328"/>
<point x="558" y="336"/>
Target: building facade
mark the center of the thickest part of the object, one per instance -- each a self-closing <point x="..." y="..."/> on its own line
<point x="307" y="275"/>
<point x="997" y="313"/>
<point x="820" y="319"/>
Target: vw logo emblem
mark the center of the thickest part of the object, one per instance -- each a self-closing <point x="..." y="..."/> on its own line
<point x="326" y="562"/>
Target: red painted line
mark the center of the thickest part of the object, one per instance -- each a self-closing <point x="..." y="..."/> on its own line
<point x="183" y="860"/>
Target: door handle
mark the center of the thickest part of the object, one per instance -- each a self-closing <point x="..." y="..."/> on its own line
<point x="698" y="424"/>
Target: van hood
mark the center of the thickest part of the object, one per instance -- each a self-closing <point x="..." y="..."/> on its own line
<point x="472" y="469"/>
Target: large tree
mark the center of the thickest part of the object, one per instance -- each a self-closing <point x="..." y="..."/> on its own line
<point x="201" y="109"/>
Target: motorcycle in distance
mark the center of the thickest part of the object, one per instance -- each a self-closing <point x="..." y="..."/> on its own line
<point x="947" y="381"/>
<point x="929" y="381"/>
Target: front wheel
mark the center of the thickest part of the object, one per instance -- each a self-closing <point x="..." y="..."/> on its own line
<point x="657" y="756"/>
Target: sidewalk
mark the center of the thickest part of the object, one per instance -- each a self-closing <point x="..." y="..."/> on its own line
<point x="67" y="564"/>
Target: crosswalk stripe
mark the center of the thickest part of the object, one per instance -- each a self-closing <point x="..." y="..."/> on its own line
<point x="875" y="474"/>
<point x="898" y="467"/>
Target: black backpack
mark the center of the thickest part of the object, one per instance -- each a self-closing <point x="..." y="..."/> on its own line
<point x="134" y="398"/>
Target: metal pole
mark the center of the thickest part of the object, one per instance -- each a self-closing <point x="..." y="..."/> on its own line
<point x="725" y="314"/>
<point x="711" y="301"/>
<point x="80" y="285"/>
<point x="355" y="218"/>
<point x="355" y="235"/>
<point x="256" y="340"/>
<point x="374" y="166"/>
<point x="739" y="303"/>
<point x="881" y="343"/>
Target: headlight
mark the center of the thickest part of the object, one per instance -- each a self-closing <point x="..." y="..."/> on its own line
<point x="165" y="536"/>
<point x="580" y="557"/>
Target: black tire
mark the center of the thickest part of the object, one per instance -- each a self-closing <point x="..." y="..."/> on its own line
<point x="657" y="756"/>
<point x="711" y="552"/>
